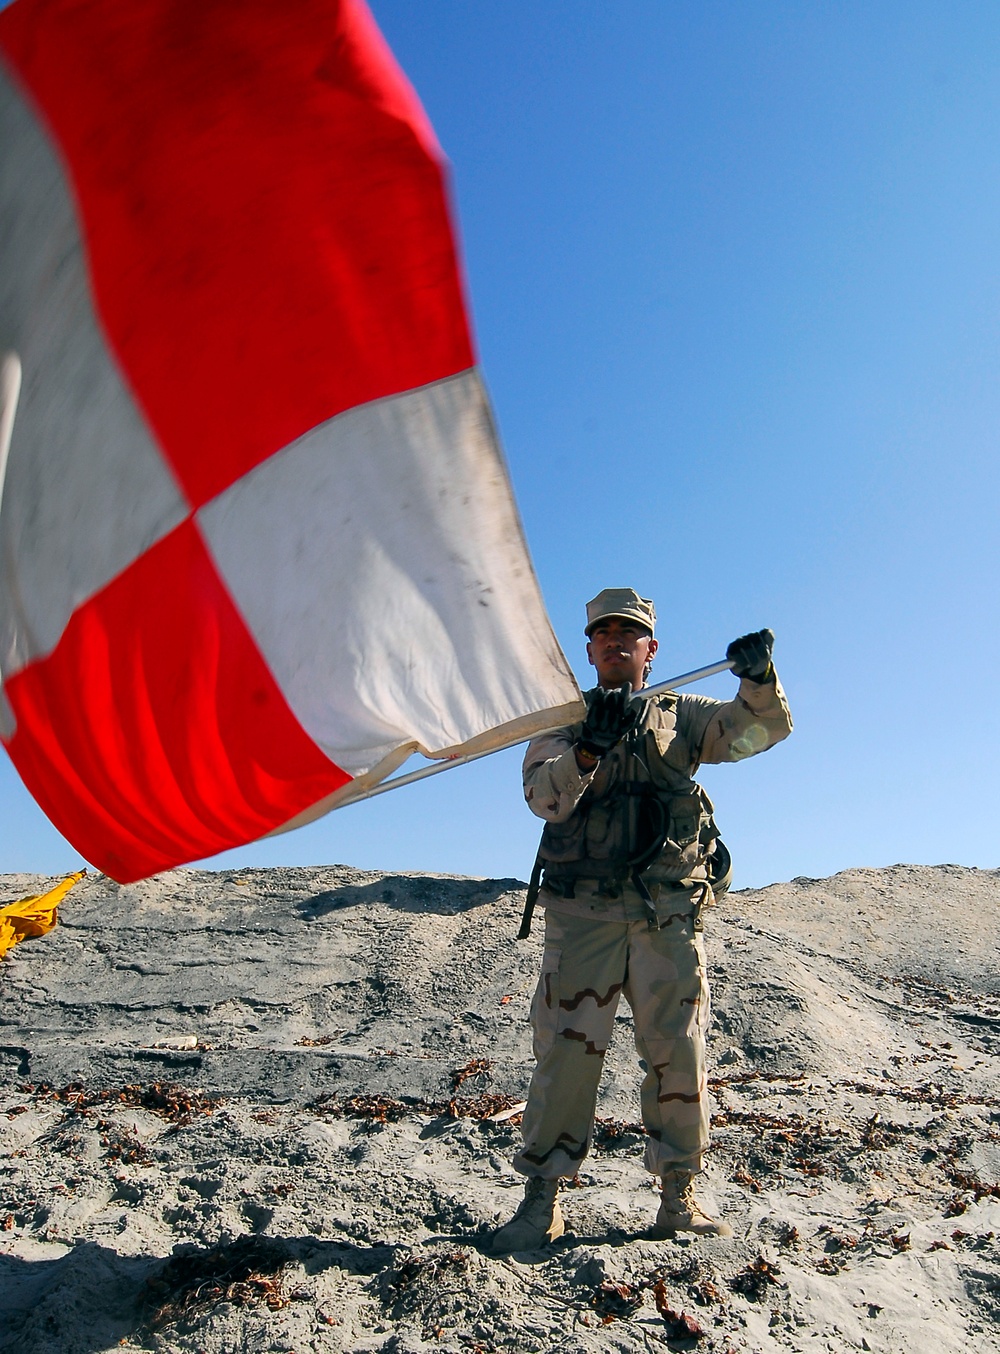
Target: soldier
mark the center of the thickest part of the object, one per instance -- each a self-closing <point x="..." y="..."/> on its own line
<point x="630" y="857"/>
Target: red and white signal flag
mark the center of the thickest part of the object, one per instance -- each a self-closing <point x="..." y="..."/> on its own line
<point x="257" y="539"/>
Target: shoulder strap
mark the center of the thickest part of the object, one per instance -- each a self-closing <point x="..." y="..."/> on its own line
<point x="531" y="897"/>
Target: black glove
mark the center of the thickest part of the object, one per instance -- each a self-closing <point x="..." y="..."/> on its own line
<point x="610" y="716"/>
<point x="750" y="655"/>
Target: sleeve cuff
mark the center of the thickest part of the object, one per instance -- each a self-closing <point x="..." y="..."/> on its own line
<point x="567" y="778"/>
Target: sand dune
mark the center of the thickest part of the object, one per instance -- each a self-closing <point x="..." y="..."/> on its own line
<point x="276" y="1138"/>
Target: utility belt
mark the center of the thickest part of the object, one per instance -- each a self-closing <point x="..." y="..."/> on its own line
<point x="611" y="877"/>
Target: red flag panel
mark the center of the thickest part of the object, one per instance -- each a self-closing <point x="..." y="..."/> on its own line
<point x="155" y="732"/>
<point x="264" y="209"/>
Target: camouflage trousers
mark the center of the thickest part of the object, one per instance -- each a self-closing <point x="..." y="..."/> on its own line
<point x="587" y="965"/>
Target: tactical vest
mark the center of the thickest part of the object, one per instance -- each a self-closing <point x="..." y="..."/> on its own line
<point x="642" y="819"/>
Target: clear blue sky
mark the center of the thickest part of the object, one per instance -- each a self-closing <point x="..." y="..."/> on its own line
<point x="735" y="274"/>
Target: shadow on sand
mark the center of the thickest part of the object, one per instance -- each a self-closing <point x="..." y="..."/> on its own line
<point x="411" y="893"/>
<point x="92" y="1298"/>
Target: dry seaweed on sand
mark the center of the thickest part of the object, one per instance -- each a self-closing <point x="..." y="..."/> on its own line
<point x="475" y="1067"/>
<point x="679" y="1325"/>
<point x="755" y="1280"/>
<point x="379" y="1109"/>
<point x="926" y="1093"/>
<point x="246" y="1272"/>
<point x="385" y="1109"/>
<point x="122" y="1145"/>
<point x="177" y="1104"/>
<point x="484" y="1106"/>
<point x="618" y="1300"/>
<point x="406" y="1287"/>
<point x="970" y="1190"/>
<point x="431" y="1289"/>
<point x="611" y="1134"/>
<point x="612" y="1301"/>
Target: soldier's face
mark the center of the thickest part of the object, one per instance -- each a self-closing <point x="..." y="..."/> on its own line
<point x="620" y="649"/>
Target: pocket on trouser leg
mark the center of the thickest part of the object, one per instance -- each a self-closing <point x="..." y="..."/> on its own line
<point x="674" y="1099"/>
<point x="545" y="1004"/>
<point x="671" y="1022"/>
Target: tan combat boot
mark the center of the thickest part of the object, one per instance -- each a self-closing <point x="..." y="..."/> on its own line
<point x="680" y="1211"/>
<point x="536" y="1222"/>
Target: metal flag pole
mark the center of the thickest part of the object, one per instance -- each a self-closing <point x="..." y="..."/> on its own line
<point x="422" y="772"/>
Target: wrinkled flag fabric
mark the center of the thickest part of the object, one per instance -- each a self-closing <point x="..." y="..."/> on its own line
<point x="33" y="916"/>
<point x="257" y="539"/>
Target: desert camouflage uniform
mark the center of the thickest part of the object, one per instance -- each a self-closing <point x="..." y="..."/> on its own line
<point x="600" y="947"/>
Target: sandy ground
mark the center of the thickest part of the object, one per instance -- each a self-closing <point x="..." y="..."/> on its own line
<point x="305" y="1165"/>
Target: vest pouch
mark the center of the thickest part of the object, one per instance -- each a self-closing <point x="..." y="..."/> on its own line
<point x="564" y="842"/>
<point x="685" y="820"/>
<point x="602" y="842"/>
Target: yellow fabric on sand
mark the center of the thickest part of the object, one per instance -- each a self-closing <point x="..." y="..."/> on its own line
<point x="35" y="915"/>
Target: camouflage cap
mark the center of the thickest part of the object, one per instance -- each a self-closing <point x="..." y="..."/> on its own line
<point x="623" y="602"/>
